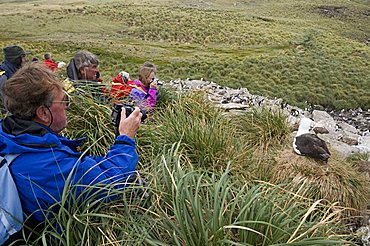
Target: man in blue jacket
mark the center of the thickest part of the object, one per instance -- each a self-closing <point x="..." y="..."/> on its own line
<point x="37" y="102"/>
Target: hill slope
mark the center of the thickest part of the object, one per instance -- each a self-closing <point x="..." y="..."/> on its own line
<point x="316" y="51"/>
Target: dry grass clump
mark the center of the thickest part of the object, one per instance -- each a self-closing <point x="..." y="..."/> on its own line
<point x="361" y="161"/>
<point x="336" y="181"/>
<point x="364" y="167"/>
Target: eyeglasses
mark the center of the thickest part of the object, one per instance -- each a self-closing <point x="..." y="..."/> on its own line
<point x="66" y="100"/>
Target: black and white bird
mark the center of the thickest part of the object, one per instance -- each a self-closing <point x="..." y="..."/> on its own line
<point x="309" y="144"/>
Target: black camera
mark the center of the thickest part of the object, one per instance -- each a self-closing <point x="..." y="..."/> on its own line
<point x="158" y="81"/>
<point x="116" y="112"/>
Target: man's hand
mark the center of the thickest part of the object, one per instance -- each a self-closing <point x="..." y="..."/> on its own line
<point x="129" y="126"/>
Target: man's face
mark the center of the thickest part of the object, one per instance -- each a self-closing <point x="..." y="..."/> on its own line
<point x="58" y="109"/>
<point x="24" y="60"/>
<point x="89" y="73"/>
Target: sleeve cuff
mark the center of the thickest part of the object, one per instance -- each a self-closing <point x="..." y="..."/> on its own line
<point x="123" y="139"/>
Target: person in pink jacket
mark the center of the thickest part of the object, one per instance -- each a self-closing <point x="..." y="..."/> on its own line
<point x="144" y="89"/>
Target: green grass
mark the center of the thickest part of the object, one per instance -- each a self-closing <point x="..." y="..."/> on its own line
<point x="214" y="178"/>
<point x="188" y="207"/>
<point x="87" y="112"/>
<point x="278" y="48"/>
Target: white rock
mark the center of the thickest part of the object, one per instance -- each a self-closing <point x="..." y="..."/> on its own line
<point x="364" y="141"/>
<point x="323" y="119"/>
<point x="347" y="127"/>
<point x="342" y="148"/>
<point x="230" y="106"/>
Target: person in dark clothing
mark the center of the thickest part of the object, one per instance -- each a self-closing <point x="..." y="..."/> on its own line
<point x="14" y="58"/>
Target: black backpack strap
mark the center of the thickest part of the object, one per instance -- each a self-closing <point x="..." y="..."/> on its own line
<point x="3" y="161"/>
<point x="10" y="158"/>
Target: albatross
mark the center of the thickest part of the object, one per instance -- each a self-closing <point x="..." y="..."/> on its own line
<point x="309" y="144"/>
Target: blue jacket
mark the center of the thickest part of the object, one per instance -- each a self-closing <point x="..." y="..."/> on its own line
<point x="46" y="159"/>
<point x="9" y="69"/>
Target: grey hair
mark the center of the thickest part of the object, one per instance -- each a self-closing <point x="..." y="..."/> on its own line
<point x="84" y="59"/>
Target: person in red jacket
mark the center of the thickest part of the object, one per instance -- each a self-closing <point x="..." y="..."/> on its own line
<point x="121" y="85"/>
<point x="49" y="62"/>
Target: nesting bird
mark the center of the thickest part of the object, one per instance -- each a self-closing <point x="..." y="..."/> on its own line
<point x="309" y="144"/>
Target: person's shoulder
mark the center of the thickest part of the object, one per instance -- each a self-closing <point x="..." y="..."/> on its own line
<point x="137" y="89"/>
<point x="50" y="63"/>
<point x="134" y="89"/>
<point x="136" y="82"/>
<point x="3" y="76"/>
<point x="3" y="69"/>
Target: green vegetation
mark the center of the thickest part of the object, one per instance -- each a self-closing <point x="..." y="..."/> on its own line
<point x="213" y="178"/>
<point x="302" y="51"/>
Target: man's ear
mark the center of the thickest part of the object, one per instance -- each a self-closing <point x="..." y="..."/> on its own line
<point x="82" y="72"/>
<point x="42" y="115"/>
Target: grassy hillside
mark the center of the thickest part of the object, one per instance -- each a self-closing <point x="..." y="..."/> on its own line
<point x="212" y="180"/>
<point x="302" y="51"/>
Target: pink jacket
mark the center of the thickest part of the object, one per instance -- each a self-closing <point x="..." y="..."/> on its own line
<point x="143" y="97"/>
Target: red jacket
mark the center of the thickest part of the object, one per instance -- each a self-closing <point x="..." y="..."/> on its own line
<point x="51" y="64"/>
<point x="120" y="88"/>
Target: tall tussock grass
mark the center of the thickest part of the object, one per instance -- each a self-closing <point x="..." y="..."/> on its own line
<point x="212" y="179"/>
<point x="266" y="132"/>
<point x="209" y="137"/>
<point x="206" y="136"/>
<point x="190" y="207"/>
<point x="263" y="128"/>
<point x="337" y="181"/>
<point x="214" y="209"/>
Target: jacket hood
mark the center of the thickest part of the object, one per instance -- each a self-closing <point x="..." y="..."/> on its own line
<point x="16" y="126"/>
<point x="18" y="136"/>
<point x="72" y="71"/>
